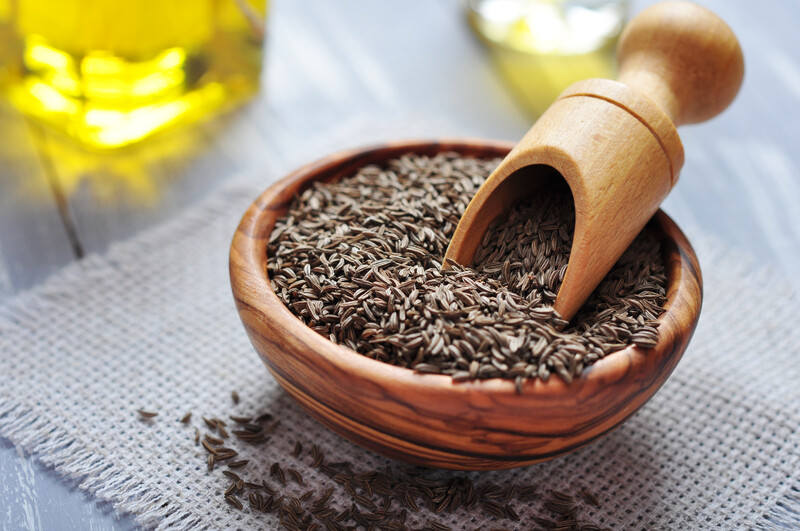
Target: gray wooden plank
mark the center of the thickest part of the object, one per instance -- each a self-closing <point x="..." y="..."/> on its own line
<point x="33" y="241"/>
<point x="426" y="56"/>
<point x="6" y="288"/>
<point x="740" y="181"/>
<point x="113" y="195"/>
<point x="33" y="497"/>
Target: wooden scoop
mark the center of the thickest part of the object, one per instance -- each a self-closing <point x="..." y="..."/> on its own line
<point x="615" y="142"/>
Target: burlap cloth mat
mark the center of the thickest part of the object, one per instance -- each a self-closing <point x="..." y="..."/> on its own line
<point x="151" y="324"/>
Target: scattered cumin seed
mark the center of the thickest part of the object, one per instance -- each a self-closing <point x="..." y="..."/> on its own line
<point x="264" y="417"/>
<point x="561" y="496"/>
<point x="269" y="490"/>
<point x="272" y="427"/>
<point x="511" y="513"/>
<point x="295" y="475"/>
<point x="210" y="449"/>
<point x="590" y="498"/>
<point x="232" y="475"/>
<point x="213" y="440"/>
<point x="559" y="507"/>
<point x="277" y="472"/>
<point x="223" y="454"/>
<point x="297" y="449"/>
<point x="495" y="509"/>
<point x="234" y="502"/>
<point x="146" y="414"/>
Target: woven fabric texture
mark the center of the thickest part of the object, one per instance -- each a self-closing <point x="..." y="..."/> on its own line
<point x="151" y="324"/>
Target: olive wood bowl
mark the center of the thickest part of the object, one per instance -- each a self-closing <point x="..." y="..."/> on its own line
<point x="428" y="419"/>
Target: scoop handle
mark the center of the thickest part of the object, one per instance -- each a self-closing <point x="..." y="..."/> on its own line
<point x="616" y="142"/>
<point x="684" y="58"/>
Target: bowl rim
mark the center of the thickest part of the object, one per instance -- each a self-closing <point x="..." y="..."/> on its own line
<point x="250" y="244"/>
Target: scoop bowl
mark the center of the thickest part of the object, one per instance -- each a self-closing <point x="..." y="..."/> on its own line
<point x="427" y="419"/>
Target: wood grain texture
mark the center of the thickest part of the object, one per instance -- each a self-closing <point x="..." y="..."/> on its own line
<point x="33" y="496"/>
<point x="428" y="419"/>
<point x="33" y="239"/>
<point x="615" y="143"/>
<point x="618" y="172"/>
<point x="683" y="57"/>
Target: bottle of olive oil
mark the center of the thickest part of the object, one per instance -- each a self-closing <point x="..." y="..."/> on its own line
<point x="542" y="46"/>
<point x="111" y="72"/>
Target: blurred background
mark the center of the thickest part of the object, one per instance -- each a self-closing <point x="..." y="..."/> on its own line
<point x="187" y="95"/>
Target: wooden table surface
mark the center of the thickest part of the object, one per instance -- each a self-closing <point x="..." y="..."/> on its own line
<point x="387" y="62"/>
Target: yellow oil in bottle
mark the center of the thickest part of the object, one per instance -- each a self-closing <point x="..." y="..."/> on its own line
<point x="111" y="72"/>
<point x="542" y="46"/>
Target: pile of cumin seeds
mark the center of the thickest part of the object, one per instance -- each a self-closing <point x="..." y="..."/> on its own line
<point x="308" y="490"/>
<point x="359" y="261"/>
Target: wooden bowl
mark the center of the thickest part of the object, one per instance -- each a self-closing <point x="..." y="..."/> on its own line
<point x="428" y="419"/>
